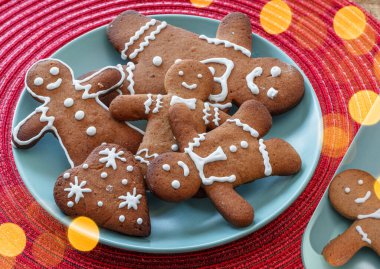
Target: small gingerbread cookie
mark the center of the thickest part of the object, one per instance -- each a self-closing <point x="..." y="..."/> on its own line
<point x="226" y="157"/>
<point x="153" y="46"/>
<point x="187" y="82"/>
<point x="72" y="110"/>
<point x="352" y="193"/>
<point x="108" y="188"/>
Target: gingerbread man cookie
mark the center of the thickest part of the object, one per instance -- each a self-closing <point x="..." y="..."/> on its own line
<point x="226" y="157"/>
<point x="188" y="82"/>
<point x="352" y="194"/>
<point x="153" y="46"/>
<point x="72" y="111"/>
<point x="108" y="188"/>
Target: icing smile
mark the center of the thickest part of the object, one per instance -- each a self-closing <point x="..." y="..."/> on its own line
<point x="364" y="199"/>
<point x="54" y="85"/>
<point x="190" y="87"/>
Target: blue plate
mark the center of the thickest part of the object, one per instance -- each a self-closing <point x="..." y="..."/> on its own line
<point x="194" y="224"/>
<point x="326" y="223"/>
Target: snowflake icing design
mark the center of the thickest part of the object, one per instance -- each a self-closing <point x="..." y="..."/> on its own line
<point x="130" y="199"/>
<point x="111" y="157"/>
<point x="77" y="190"/>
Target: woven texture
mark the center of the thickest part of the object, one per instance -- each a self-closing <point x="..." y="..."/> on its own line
<point x="34" y="29"/>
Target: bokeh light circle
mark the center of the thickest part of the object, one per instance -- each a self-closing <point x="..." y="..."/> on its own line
<point x="83" y="234"/>
<point x="12" y="240"/>
<point x="7" y="262"/>
<point x="363" y="44"/>
<point x="349" y="22"/>
<point x="275" y="17"/>
<point x="201" y="3"/>
<point x="360" y="104"/>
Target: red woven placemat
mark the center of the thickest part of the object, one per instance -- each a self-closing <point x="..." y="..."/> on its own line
<point x="34" y="29"/>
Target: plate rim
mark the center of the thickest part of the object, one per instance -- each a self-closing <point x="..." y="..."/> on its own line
<point x="131" y="246"/>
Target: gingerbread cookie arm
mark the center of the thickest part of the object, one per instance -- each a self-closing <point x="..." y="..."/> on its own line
<point x="183" y="130"/>
<point x="236" y="28"/>
<point x="217" y="116"/>
<point x="30" y="130"/>
<point x="341" y="249"/>
<point x="135" y="107"/>
<point x="239" y="212"/>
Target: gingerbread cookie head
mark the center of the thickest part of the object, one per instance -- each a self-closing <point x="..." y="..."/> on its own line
<point x="172" y="180"/>
<point x="47" y="78"/>
<point x="108" y="188"/>
<point x="189" y="79"/>
<point x="352" y="194"/>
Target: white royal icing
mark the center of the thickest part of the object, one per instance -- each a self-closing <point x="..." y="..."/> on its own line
<point x="176" y="184"/>
<point x="145" y="43"/>
<point x="226" y="44"/>
<point x="54" y="85"/>
<point x="129" y="168"/>
<point x="189" y="86"/>
<point x="85" y="166"/>
<point x="100" y="203"/>
<point x="264" y="153"/>
<point x="275" y="71"/>
<point x="222" y="106"/>
<point x="69" y="102"/>
<point x="111" y="156"/>
<point x="272" y="93"/>
<point x="177" y="61"/>
<point x="148" y="103"/>
<point x="130" y="200"/>
<point x="66" y="175"/>
<point x="91" y="131"/>
<point x="199" y="76"/>
<point x="38" y="81"/>
<point x="206" y="109"/>
<point x="190" y="103"/>
<point x="139" y="221"/>
<point x="233" y="148"/>
<point x="157" y="60"/>
<point x="79" y="115"/>
<point x="347" y="190"/>
<point x="185" y="168"/>
<point x="121" y="218"/>
<point x="104" y="175"/>
<point x="212" y="70"/>
<point x="158" y="104"/>
<point x="216" y="116"/>
<point x="180" y="73"/>
<point x="166" y="167"/>
<point x="363" y="234"/>
<point x="142" y="159"/>
<point x="70" y="204"/>
<point x="245" y="127"/>
<point x="77" y="189"/>
<point x="130" y="67"/>
<point x="136" y="36"/>
<point x="109" y="188"/>
<point x="360" y="182"/>
<point x="174" y="147"/>
<point x="197" y="141"/>
<point x="124" y="181"/>
<point x="54" y="71"/>
<point x="200" y="162"/>
<point x="257" y="72"/>
<point x="222" y="80"/>
<point x="244" y="144"/>
<point x="364" y="199"/>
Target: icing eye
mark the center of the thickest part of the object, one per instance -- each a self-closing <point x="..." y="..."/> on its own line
<point x="180" y="73"/>
<point x="360" y="182"/>
<point x="54" y="71"/>
<point x="199" y="76"/>
<point x="38" y="81"/>
<point x="347" y="190"/>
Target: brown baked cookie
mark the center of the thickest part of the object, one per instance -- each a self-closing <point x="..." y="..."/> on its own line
<point x="222" y="159"/>
<point x="72" y="111"/>
<point x="352" y="194"/>
<point x="188" y="82"/>
<point x="108" y="188"/>
<point x="153" y="46"/>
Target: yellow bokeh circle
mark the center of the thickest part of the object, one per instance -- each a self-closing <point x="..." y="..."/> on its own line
<point x="377" y="188"/>
<point x="349" y="22"/>
<point x="335" y="141"/>
<point x="201" y="3"/>
<point x="12" y="240"/>
<point x="360" y="104"/>
<point x="83" y="234"/>
<point x="275" y="17"/>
